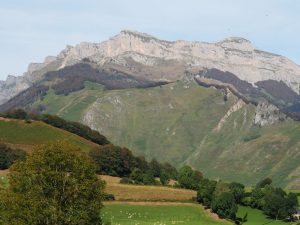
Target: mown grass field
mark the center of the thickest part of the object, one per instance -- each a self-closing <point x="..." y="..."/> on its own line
<point x="256" y="217"/>
<point x="19" y="134"/>
<point x="158" y="215"/>
<point x="124" y="192"/>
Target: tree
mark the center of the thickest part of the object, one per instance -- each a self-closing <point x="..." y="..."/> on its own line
<point x="205" y="191"/>
<point x="257" y="198"/>
<point x="148" y="178"/>
<point x="278" y="204"/>
<point x="225" y="206"/>
<point x="164" y="177"/>
<point x="137" y="176"/>
<point x="113" y="160"/>
<point x="291" y="204"/>
<point x="170" y="170"/>
<point x="274" y="206"/>
<point x="155" y="167"/>
<point x="187" y="178"/>
<point x="238" y="191"/>
<point x="56" y="185"/>
<point x="264" y="182"/>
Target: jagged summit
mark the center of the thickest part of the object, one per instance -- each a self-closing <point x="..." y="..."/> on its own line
<point x="136" y="33"/>
<point x="238" y="40"/>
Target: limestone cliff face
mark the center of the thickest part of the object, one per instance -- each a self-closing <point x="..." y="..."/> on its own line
<point x="267" y="114"/>
<point x="130" y="49"/>
<point x="11" y="87"/>
<point x="236" y="55"/>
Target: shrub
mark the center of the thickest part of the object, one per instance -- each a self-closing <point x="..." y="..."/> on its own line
<point x="8" y="156"/>
<point x="108" y="197"/>
<point x="126" y="180"/>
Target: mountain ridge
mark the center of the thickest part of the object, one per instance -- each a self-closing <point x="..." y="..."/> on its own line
<point x="235" y="55"/>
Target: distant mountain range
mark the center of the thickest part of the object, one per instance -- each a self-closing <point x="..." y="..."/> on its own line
<point x="224" y="108"/>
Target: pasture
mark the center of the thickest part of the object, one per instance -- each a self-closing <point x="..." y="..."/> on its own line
<point x="127" y="192"/>
<point x="127" y="214"/>
<point x="256" y="217"/>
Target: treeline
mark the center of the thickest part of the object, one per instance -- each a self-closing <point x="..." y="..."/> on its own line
<point x="8" y="156"/>
<point x="224" y="198"/>
<point x="116" y="161"/>
<point x="73" y="127"/>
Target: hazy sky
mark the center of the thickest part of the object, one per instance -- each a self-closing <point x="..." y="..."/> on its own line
<point x="33" y="29"/>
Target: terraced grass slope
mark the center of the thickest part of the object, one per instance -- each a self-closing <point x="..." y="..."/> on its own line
<point x="183" y="122"/>
<point x="19" y="134"/>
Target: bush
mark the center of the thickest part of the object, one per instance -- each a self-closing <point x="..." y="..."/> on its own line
<point x="8" y="156"/>
<point x="126" y="180"/>
<point x="108" y="197"/>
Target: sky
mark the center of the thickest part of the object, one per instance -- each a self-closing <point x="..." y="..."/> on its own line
<point x="30" y="30"/>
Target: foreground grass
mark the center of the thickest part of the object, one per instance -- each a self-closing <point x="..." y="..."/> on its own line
<point x="124" y="192"/>
<point x="158" y="215"/>
<point x="256" y="217"/>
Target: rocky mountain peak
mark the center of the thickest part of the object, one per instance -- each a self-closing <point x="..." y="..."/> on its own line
<point x="236" y="43"/>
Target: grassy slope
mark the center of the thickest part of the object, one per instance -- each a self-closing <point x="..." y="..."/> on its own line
<point x="175" y="123"/>
<point x="72" y="106"/>
<point x="26" y="135"/>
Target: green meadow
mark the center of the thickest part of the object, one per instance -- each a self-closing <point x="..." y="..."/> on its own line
<point x="158" y="215"/>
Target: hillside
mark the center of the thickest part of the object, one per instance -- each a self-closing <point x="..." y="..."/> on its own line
<point x="19" y="134"/>
<point x="182" y="122"/>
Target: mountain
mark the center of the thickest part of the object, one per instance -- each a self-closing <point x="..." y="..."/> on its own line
<point x="224" y="108"/>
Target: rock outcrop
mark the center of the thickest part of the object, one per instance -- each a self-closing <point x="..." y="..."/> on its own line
<point x="267" y="114"/>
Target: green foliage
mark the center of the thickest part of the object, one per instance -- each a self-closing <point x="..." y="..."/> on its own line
<point x="8" y="156"/>
<point x="116" y="161"/>
<point x="108" y="197"/>
<point x="56" y="184"/>
<point x="16" y="114"/>
<point x="164" y="177"/>
<point x="257" y="198"/>
<point x="126" y="180"/>
<point x="148" y="178"/>
<point x="113" y="160"/>
<point x="188" y="178"/>
<point x="137" y="176"/>
<point x="279" y="205"/>
<point x="264" y="182"/>
<point x="206" y="191"/>
<point x="224" y="205"/>
<point x="155" y="167"/>
<point x="238" y="191"/>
